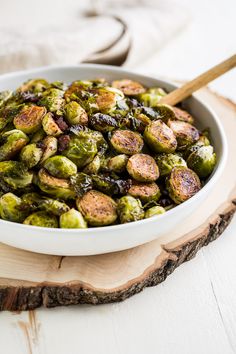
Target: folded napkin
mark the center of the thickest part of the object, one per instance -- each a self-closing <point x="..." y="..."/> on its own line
<point x="110" y="32"/>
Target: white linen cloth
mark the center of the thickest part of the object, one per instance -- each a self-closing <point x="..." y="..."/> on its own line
<point x="49" y="34"/>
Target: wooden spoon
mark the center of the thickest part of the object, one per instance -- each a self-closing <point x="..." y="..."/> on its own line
<point x="187" y="89"/>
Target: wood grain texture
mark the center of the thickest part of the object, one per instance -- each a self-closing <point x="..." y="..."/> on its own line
<point x="28" y="281"/>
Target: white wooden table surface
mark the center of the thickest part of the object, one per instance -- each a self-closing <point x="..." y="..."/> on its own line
<point x="194" y="310"/>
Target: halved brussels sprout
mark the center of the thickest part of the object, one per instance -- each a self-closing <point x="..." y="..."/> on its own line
<point x="109" y="185"/>
<point x="8" y="113"/>
<point x="152" y="96"/>
<point x="60" y="166"/>
<point x="31" y="155"/>
<point x="81" y="183"/>
<point x="159" y="137"/>
<point x="129" y="87"/>
<point x="29" y="119"/>
<point x="77" y="90"/>
<point x="57" y="187"/>
<point x="13" y="142"/>
<point x="103" y="122"/>
<point x="94" y="166"/>
<point x="118" y="163"/>
<point x="34" y="85"/>
<point x="202" y="161"/>
<point x="129" y="209"/>
<point x="186" y="134"/>
<point x="38" y="136"/>
<point x="126" y="142"/>
<point x="105" y="99"/>
<point x="34" y="201"/>
<point x="53" y="100"/>
<point x="72" y="219"/>
<point x="144" y="121"/>
<point x="155" y="210"/>
<point x="4" y="97"/>
<point x="81" y="149"/>
<point x="97" y="208"/>
<point x="75" y="114"/>
<point x="11" y="208"/>
<point x="166" y="162"/>
<point x="182" y="184"/>
<point x="182" y="115"/>
<point x="50" y="126"/>
<point x="143" y="168"/>
<point x="49" y="148"/>
<point x="202" y="141"/>
<point x="42" y="219"/>
<point x="146" y="192"/>
<point x="15" y="174"/>
<point x="165" y="111"/>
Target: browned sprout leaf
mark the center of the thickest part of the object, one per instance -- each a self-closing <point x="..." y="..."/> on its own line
<point x="129" y="87"/>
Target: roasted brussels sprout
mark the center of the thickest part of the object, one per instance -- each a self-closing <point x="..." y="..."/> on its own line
<point x="146" y="192"/>
<point x="103" y="122"/>
<point x="182" y="184"/>
<point x="81" y="149"/>
<point x="151" y="97"/>
<point x="60" y="166"/>
<point x="153" y="211"/>
<point x="105" y="99"/>
<point x="15" y="174"/>
<point x="129" y="209"/>
<point x="57" y="187"/>
<point x="11" y="208"/>
<point x="53" y="100"/>
<point x="29" y="119"/>
<point x="75" y="114"/>
<point x="7" y="113"/>
<point x="4" y="96"/>
<point x="159" y="137"/>
<point x="13" y="142"/>
<point x="109" y="185"/>
<point x="202" y="161"/>
<point x="41" y="218"/>
<point x="94" y="166"/>
<point x="202" y="141"/>
<point x="128" y="87"/>
<point x="143" y="168"/>
<point x="34" y="85"/>
<point x="182" y="115"/>
<point x="165" y="112"/>
<point x="31" y="155"/>
<point x="49" y="148"/>
<point x="33" y="201"/>
<point x="143" y="121"/>
<point x="72" y="219"/>
<point x="166" y="162"/>
<point x="186" y="134"/>
<point x="81" y="183"/>
<point x="118" y="163"/>
<point x="97" y="208"/>
<point x="38" y="136"/>
<point x="126" y="142"/>
<point x="50" y="126"/>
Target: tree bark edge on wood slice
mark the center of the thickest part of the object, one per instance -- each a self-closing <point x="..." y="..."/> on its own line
<point x="28" y="297"/>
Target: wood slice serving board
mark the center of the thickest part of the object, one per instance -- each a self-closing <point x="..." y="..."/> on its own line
<point x="29" y="280"/>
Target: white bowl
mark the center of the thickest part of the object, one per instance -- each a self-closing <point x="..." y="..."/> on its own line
<point x="118" y="237"/>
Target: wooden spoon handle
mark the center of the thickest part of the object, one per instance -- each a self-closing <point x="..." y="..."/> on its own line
<point x="187" y="89"/>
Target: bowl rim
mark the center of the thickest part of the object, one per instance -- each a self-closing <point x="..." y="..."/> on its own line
<point x="101" y="229"/>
